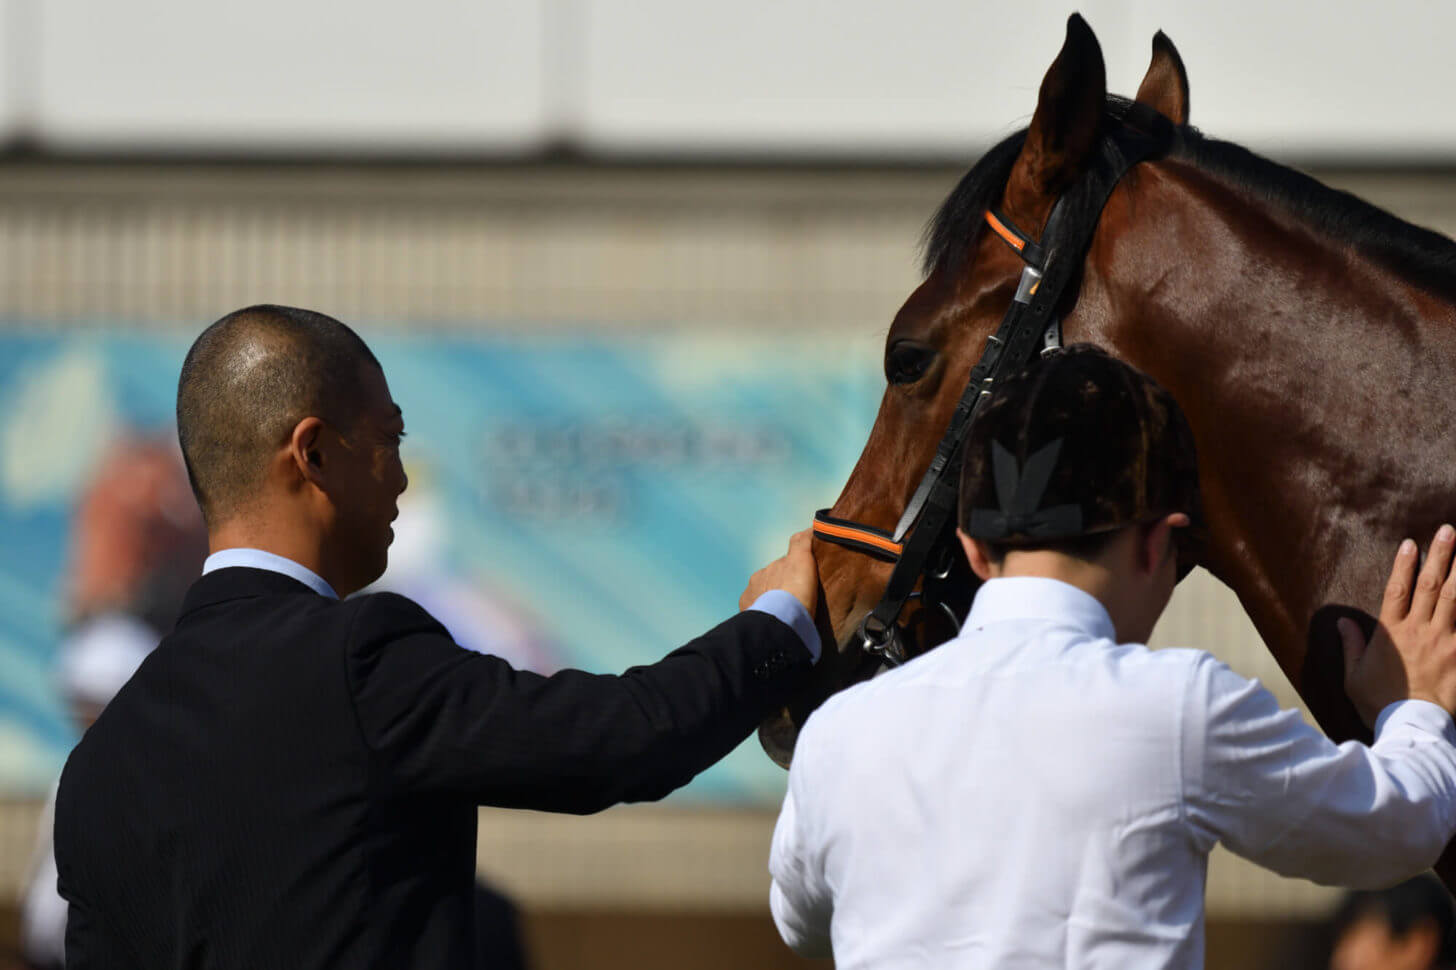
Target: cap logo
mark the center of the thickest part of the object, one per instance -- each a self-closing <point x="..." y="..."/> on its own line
<point x="1019" y="492"/>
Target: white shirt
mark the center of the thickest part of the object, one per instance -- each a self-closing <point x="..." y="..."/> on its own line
<point x="1033" y="794"/>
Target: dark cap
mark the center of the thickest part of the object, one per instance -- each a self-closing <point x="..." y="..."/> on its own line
<point x="1076" y="444"/>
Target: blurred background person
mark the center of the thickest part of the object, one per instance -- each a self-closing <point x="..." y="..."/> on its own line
<point x="137" y="543"/>
<point x="1405" y="927"/>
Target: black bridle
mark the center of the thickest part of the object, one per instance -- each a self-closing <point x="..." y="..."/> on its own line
<point x="1030" y="325"/>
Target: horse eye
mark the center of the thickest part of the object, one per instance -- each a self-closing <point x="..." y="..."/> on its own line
<point x="906" y="362"/>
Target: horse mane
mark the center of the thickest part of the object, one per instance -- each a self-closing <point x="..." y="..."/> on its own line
<point x="1422" y="256"/>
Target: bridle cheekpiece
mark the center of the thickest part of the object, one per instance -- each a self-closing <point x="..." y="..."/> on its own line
<point x="926" y="556"/>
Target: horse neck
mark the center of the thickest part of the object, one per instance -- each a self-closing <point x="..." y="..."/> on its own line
<point x="1278" y="341"/>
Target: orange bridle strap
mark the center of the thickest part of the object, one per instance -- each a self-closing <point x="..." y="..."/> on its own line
<point x="1025" y="246"/>
<point x="863" y="538"/>
<point x="1013" y="238"/>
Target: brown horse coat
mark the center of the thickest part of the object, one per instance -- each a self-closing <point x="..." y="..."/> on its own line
<point x="1306" y="334"/>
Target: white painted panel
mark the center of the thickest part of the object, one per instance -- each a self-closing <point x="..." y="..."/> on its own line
<point x="943" y="77"/>
<point x="291" y="74"/>
<point x="816" y="75"/>
<point x="12" y="75"/>
<point x="1342" y="77"/>
<point x="914" y="78"/>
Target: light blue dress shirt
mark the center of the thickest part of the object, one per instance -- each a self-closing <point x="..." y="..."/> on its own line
<point x="783" y="605"/>
<point x="258" y="559"/>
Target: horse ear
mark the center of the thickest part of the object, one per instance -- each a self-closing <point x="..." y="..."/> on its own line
<point x="1165" y="86"/>
<point x="1064" y="128"/>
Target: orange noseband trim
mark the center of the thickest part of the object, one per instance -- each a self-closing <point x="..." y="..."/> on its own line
<point x="831" y="531"/>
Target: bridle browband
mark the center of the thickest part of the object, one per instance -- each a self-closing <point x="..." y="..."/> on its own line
<point x="1030" y="325"/>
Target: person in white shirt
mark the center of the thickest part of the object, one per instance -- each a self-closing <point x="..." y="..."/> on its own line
<point x="1043" y="790"/>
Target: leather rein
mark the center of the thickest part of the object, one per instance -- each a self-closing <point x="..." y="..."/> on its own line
<point x="1030" y="325"/>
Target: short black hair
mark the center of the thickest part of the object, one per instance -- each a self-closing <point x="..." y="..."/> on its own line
<point x="1086" y="547"/>
<point x="1402" y="908"/>
<point x="247" y="382"/>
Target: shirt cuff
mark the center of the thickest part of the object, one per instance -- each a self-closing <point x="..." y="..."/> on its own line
<point x="1424" y="716"/>
<point x="786" y="607"/>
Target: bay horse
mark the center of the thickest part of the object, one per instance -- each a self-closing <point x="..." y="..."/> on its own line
<point x="1307" y="335"/>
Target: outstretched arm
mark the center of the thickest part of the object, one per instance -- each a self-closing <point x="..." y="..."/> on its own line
<point x="1280" y="793"/>
<point x="437" y="717"/>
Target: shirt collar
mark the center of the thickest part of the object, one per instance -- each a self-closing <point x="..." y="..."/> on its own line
<point x="258" y="559"/>
<point x="1039" y="598"/>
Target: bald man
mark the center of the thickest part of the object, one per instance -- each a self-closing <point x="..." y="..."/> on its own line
<point x="291" y="778"/>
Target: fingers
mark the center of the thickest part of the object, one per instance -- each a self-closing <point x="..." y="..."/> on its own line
<point x="1353" y="642"/>
<point x="1433" y="574"/>
<point x="1398" y="588"/>
<point x="795" y="572"/>
<point x="1444" y="614"/>
<point x="801" y="542"/>
<point x="804" y="584"/>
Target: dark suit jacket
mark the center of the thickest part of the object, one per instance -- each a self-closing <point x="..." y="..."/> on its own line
<point x="290" y="781"/>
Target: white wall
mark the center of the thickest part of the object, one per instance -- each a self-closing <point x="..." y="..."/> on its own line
<point x="850" y="78"/>
<point x="422" y="75"/>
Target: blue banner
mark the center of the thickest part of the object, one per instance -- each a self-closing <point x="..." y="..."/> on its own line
<point x="574" y="501"/>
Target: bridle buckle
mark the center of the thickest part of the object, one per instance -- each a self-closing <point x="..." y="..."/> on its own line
<point x="881" y="640"/>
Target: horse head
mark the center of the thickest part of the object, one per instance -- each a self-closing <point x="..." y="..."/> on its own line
<point x="937" y="337"/>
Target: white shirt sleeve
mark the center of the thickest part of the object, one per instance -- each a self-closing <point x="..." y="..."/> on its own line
<point x="799" y="898"/>
<point x="1280" y="793"/>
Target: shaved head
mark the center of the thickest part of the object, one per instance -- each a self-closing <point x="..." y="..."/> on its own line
<point x="247" y="382"/>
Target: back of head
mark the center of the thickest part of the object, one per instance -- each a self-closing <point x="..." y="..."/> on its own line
<point x="247" y="382"/>
<point x="1072" y="449"/>
<point x="1417" y="906"/>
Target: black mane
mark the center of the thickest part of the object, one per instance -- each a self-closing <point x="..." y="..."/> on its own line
<point x="1422" y="256"/>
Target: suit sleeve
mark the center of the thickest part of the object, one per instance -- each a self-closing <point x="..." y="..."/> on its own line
<point x="1281" y="794"/>
<point x="89" y="943"/>
<point x="438" y="717"/>
<point x="92" y="941"/>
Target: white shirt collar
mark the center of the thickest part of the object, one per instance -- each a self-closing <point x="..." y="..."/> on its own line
<point x="1038" y="598"/>
<point x="258" y="559"/>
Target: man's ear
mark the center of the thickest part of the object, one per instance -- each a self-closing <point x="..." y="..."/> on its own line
<point x="977" y="555"/>
<point x="305" y="448"/>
